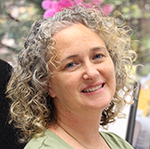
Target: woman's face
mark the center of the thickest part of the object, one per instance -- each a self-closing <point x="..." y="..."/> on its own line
<point x="84" y="78"/>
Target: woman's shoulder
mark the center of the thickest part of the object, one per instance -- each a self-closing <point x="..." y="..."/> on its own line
<point x="48" y="141"/>
<point x="115" y="141"/>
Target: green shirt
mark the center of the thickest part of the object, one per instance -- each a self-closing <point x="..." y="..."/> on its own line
<point x="51" y="141"/>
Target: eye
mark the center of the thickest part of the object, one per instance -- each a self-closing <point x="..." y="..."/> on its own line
<point x="97" y="56"/>
<point x="70" y="65"/>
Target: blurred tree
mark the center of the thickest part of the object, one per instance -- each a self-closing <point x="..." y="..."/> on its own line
<point x="16" y="18"/>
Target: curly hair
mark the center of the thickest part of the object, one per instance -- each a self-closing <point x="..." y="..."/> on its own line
<point x="32" y="109"/>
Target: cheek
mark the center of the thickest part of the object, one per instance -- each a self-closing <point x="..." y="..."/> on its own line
<point x="113" y="79"/>
<point x="64" y="81"/>
<point x="109" y="69"/>
<point x="70" y="81"/>
<point x="110" y="73"/>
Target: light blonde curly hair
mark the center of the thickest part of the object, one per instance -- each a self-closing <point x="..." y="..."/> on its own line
<point x="32" y="109"/>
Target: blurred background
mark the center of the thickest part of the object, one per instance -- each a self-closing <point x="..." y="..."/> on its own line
<point x="16" y="18"/>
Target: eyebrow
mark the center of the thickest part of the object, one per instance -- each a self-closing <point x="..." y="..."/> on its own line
<point x="76" y="55"/>
<point x="70" y="57"/>
<point x="97" y="49"/>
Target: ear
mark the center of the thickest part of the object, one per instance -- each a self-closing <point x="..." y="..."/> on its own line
<point x="51" y="92"/>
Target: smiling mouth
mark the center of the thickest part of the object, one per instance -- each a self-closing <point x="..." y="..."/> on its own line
<point x="92" y="89"/>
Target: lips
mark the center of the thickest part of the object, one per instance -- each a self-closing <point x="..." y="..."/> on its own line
<point x="92" y="89"/>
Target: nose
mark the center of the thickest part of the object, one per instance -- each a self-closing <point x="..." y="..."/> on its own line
<point x="90" y="72"/>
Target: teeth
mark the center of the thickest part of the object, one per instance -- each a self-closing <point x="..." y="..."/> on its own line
<point x="93" y="88"/>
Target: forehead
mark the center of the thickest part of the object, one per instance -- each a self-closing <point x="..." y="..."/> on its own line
<point x="75" y="35"/>
<point x="70" y="33"/>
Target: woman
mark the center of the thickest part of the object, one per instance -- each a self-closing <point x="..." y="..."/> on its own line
<point x="68" y="81"/>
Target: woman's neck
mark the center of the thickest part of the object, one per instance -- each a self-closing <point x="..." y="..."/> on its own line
<point x="82" y="128"/>
<point x="83" y="120"/>
<point x="81" y="123"/>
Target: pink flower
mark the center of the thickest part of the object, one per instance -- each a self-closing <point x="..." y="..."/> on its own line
<point x="107" y="9"/>
<point x="49" y="13"/>
<point x="65" y="3"/>
<point x="96" y="2"/>
<point x="82" y="3"/>
<point x="46" y="4"/>
<point x="77" y="1"/>
<point x="55" y="5"/>
<point x="86" y="5"/>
